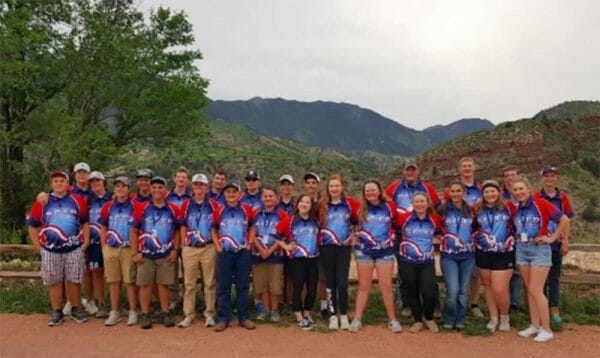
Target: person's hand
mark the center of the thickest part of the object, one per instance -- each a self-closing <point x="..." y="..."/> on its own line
<point x="138" y="258"/>
<point x="218" y="249"/>
<point x="37" y="247"/>
<point x="564" y="249"/>
<point x="42" y="198"/>
<point x="172" y="256"/>
<point x="543" y="239"/>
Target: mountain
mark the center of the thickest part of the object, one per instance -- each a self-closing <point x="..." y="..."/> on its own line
<point x="342" y="126"/>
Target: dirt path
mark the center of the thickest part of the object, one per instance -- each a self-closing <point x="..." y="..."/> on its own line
<point x="28" y="336"/>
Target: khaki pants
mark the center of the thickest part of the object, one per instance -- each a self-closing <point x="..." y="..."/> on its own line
<point x="196" y="259"/>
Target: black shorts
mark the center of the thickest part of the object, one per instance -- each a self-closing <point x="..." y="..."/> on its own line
<point x="495" y="261"/>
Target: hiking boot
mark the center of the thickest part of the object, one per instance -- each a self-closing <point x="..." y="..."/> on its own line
<point x="145" y="321"/>
<point x="57" y="318"/>
<point x="220" y="327"/>
<point x="166" y="320"/>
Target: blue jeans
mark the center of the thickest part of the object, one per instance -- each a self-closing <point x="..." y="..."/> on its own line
<point x="457" y="274"/>
<point x="233" y="267"/>
<point x="516" y="288"/>
<point x="553" y="281"/>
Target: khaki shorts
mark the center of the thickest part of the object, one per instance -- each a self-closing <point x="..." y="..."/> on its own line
<point x="118" y="264"/>
<point x="268" y="278"/>
<point x="157" y="271"/>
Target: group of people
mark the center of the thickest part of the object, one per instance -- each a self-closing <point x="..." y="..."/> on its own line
<point x="264" y="237"/>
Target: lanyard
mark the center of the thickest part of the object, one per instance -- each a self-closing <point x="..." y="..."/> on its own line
<point x="199" y="211"/>
<point x="493" y="219"/>
<point x="523" y="218"/>
<point x="267" y="222"/>
<point x="155" y="218"/>
<point x="458" y="221"/>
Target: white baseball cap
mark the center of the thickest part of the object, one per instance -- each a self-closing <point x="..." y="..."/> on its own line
<point x="286" y="177"/>
<point x="96" y="175"/>
<point x="200" y="178"/>
<point x="81" y="166"/>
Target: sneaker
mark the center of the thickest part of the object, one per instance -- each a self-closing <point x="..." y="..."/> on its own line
<point x="324" y="314"/>
<point x="492" y="324"/>
<point x="416" y="327"/>
<point x="220" y="327"/>
<point x="185" y="323"/>
<point x="394" y="326"/>
<point x="67" y="309"/>
<point x="248" y="324"/>
<point x="460" y="326"/>
<point x="543" y="336"/>
<point x="102" y="312"/>
<point x="406" y="312"/>
<point x="78" y="315"/>
<point x="275" y="317"/>
<point x="529" y="332"/>
<point x="114" y="317"/>
<point x="259" y="307"/>
<point x="310" y="320"/>
<point x="334" y="322"/>
<point x="210" y="322"/>
<point x="476" y="312"/>
<point x="355" y="326"/>
<point x="504" y="323"/>
<point x="432" y="326"/>
<point x="437" y="313"/>
<point x="166" y="320"/>
<point x="145" y="321"/>
<point x="305" y="324"/>
<point x="556" y="318"/>
<point x="344" y="322"/>
<point x="57" y="318"/>
<point x="90" y="307"/>
<point x="262" y="316"/>
<point x="447" y="326"/>
<point x="132" y="319"/>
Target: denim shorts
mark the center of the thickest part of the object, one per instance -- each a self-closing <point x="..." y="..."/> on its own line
<point x="362" y="258"/>
<point x="531" y="254"/>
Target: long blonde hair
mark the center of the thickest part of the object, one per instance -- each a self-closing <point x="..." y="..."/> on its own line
<point x="324" y="203"/>
<point x="364" y="204"/>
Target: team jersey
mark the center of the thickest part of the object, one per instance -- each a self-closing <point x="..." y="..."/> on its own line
<point x="95" y="207"/>
<point x="416" y="241"/>
<point x="302" y="232"/>
<point x="60" y="221"/>
<point x="494" y="229"/>
<point x="266" y="224"/>
<point x="252" y="200"/>
<point x="340" y="218"/>
<point x="139" y="198"/>
<point x="532" y="218"/>
<point x="156" y="225"/>
<point x="176" y="199"/>
<point x="233" y="224"/>
<point x="401" y="193"/>
<point x="115" y="216"/>
<point x="376" y="234"/>
<point x="218" y="197"/>
<point x="473" y="193"/>
<point x="198" y="220"/>
<point x="560" y="200"/>
<point x="457" y="240"/>
<point x="287" y="207"/>
<point x="84" y="193"/>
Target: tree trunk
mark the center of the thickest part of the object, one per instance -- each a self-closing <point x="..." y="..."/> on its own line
<point x="11" y="177"/>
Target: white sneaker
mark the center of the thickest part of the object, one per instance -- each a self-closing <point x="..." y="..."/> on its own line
<point x="67" y="309"/>
<point x="132" y="319"/>
<point x="114" y="317"/>
<point x="543" y="336"/>
<point x="187" y="321"/>
<point x="492" y="324"/>
<point x="334" y="322"/>
<point x="344" y="322"/>
<point x="210" y="322"/>
<point x="504" y="323"/>
<point x="529" y="332"/>
<point x="394" y="326"/>
<point x="90" y="307"/>
<point x="355" y="326"/>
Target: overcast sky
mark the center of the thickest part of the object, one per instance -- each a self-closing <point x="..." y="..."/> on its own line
<point x="417" y="62"/>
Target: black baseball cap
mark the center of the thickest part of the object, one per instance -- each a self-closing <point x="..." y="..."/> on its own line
<point x="252" y="175"/>
<point x="312" y="175"/>
<point x="232" y="185"/>
<point x="547" y="169"/>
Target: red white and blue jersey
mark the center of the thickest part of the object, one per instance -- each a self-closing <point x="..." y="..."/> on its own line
<point x="84" y="193"/>
<point x="303" y="233"/>
<point x="494" y="232"/>
<point x="473" y="193"/>
<point x="198" y="220"/>
<point x="457" y="240"/>
<point x="156" y="225"/>
<point x="560" y="200"/>
<point x="340" y="218"/>
<point x="60" y="221"/>
<point x="233" y="224"/>
<point x="115" y="217"/>
<point x="288" y="207"/>
<point x="266" y="232"/>
<point x="218" y="197"/>
<point x="95" y="206"/>
<point x="252" y="200"/>
<point x="376" y="234"/>
<point x="401" y="193"/>
<point x="176" y="199"/>
<point x="533" y="217"/>
<point x="139" y="198"/>
<point x="416" y="241"/>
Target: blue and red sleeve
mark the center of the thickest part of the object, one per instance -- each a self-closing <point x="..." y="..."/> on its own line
<point x="137" y="216"/>
<point x="389" y="192"/>
<point x="82" y="204"/>
<point x="217" y="217"/>
<point x="566" y="205"/>
<point x="354" y="209"/>
<point x="34" y="217"/>
<point x="433" y="195"/>
<point x="104" y="213"/>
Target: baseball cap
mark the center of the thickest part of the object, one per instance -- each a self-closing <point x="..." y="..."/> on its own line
<point x="59" y="173"/>
<point x="81" y="166"/>
<point x="144" y="173"/>
<point x="312" y="175"/>
<point x="158" y="180"/>
<point x="96" y="175"/>
<point x="252" y="175"/>
<point x="200" y="178"/>
<point x="547" y="169"/>
<point x="410" y="162"/>
<point x="232" y="185"/>
<point x="287" y="177"/>
<point x="122" y="179"/>
<point x="490" y="182"/>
